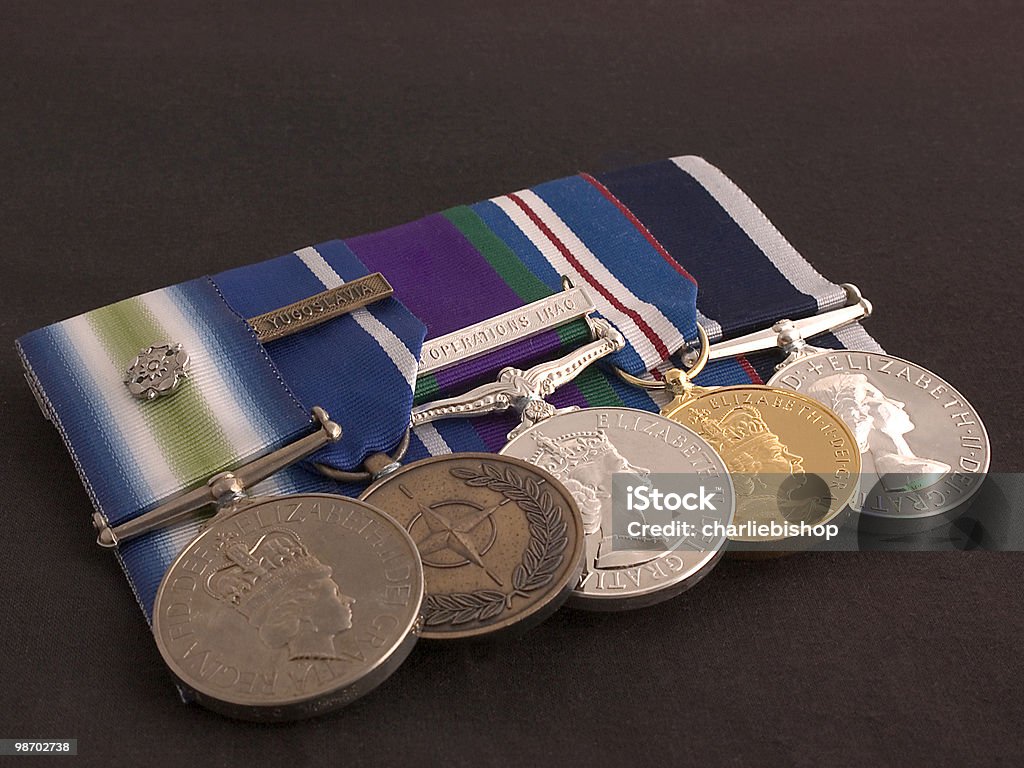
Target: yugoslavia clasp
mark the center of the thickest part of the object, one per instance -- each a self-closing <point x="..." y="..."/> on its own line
<point x="225" y="490"/>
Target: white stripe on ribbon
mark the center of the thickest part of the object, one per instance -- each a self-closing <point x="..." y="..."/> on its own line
<point x="431" y="439"/>
<point x="759" y="229"/>
<point x="711" y="327"/>
<point x="404" y="360"/>
<point x="855" y="337"/>
<point x="636" y="337"/>
<point x="107" y="385"/>
<point x="278" y="484"/>
<point x="233" y="416"/>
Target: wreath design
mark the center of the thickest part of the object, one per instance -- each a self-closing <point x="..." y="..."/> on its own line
<point x="541" y="560"/>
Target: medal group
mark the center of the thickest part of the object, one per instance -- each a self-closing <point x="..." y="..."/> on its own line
<point x="290" y="606"/>
<point x="289" y="602"/>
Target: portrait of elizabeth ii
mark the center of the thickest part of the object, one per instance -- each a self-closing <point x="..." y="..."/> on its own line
<point x="585" y="462"/>
<point x="880" y="424"/>
<point x="770" y="482"/>
<point x="285" y="593"/>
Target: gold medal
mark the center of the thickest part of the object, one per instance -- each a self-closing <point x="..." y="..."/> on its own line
<point x="794" y="463"/>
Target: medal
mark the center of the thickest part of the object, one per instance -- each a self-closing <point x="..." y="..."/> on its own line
<point x="792" y="460"/>
<point x="924" y="449"/>
<point x="290" y="607"/>
<point x="283" y="607"/>
<point x="210" y="397"/>
<point x="585" y="448"/>
<point x="501" y="541"/>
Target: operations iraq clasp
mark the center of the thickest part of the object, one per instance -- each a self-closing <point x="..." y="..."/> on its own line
<point x="585" y="449"/>
<point x="283" y="607"/>
<point x="793" y="461"/>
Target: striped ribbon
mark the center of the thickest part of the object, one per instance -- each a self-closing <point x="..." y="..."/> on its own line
<point x="235" y="404"/>
<point x="360" y="367"/>
<point x="133" y="455"/>
<point x="640" y="240"/>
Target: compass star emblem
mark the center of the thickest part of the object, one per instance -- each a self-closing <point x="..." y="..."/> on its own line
<point x="456" y="528"/>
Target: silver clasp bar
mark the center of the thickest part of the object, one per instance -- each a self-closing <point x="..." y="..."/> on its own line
<point x="504" y="329"/>
<point x="524" y="391"/>
<point x="782" y="333"/>
<point x="222" y="489"/>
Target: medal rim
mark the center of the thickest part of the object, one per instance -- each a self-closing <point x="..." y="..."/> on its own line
<point x="652" y="596"/>
<point x="943" y="513"/>
<point x="842" y="510"/>
<point x="316" y="703"/>
<point x="556" y="596"/>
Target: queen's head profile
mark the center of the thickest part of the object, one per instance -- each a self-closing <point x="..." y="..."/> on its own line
<point x="586" y="462"/>
<point x="880" y="424"/>
<point x="768" y="477"/>
<point x="284" y="592"/>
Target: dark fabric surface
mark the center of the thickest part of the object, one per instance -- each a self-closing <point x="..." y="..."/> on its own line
<point x="143" y="145"/>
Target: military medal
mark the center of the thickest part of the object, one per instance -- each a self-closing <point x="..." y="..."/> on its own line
<point x="501" y="541"/>
<point x="924" y="449"/>
<point x="793" y="461"/>
<point x="283" y="607"/>
<point x="290" y="607"/>
<point x="584" y="448"/>
<point x="923" y="445"/>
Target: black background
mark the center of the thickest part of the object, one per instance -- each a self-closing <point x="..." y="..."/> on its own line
<point x="146" y="144"/>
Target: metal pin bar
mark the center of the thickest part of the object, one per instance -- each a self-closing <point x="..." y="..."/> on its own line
<point x="320" y="308"/>
<point x="226" y="486"/>
<point x="516" y="389"/>
<point x="508" y="328"/>
<point x="784" y="331"/>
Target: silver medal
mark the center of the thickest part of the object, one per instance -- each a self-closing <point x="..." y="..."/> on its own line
<point x="924" y="448"/>
<point x="290" y="607"/>
<point x="282" y="607"/>
<point x="586" y="448"/>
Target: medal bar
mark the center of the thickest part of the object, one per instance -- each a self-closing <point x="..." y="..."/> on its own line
<point x="524" y="391"/>
<point x="222" y="489"/>
<point x="784" y="331"/>
<point x="320" y="308"/>
<point x="504" y="329"/>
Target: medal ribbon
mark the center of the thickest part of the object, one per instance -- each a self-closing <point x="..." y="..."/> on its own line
<point x="638" y="240"/>
<point x="240" y="401"/>
<point x="360" y="367"/>
<point x="133" y="455"/>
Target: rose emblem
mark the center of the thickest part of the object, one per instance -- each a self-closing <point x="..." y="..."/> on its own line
<point x="156" y="371"/>
<point x="537" y="410"/>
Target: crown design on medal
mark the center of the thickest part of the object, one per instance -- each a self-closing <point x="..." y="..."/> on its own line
<point x="255" y="575"/>
<point x="569" y="451"/>
<point x="743" y="432"/>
